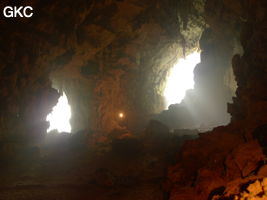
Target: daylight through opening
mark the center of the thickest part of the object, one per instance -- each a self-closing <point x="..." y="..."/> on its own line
<point x="181" y="79"/>
<point x="59" y="118"/>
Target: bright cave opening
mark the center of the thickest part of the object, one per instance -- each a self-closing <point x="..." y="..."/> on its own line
<point x="59" y="118"/>
<point x="181" y="79"/>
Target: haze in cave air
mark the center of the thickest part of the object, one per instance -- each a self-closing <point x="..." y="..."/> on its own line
<point x="181" y="79"/>
<point x="59" y="118"/>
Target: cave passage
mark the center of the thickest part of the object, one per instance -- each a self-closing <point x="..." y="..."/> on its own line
<point x="181" y="79"/>
<point x="59" y="118"/>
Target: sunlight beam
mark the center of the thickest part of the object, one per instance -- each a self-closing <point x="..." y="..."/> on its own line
<point x="60" y="116"/>
<point x="181" y="79"/>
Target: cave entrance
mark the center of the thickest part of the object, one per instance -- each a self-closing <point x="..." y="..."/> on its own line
<point x="59" y="118"/>
<point x="180" y="79"/>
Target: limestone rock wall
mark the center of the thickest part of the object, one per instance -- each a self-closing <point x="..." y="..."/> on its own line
<point x="220" y="161"/>
<point x="205" y="106"/>
<point x="108" y="56"/>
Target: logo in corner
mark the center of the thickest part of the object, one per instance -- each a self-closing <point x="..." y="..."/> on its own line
<point x="22" y="11"/>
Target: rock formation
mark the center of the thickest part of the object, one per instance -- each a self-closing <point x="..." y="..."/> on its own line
<point x="230" y="156"/>
<point x="112" y="56"/>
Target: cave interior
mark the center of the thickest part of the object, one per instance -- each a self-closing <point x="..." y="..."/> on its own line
<point x="85" y="109"/>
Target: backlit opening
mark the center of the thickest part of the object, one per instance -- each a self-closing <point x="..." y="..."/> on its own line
<point x="59" y="118"/>
<point x="181" y="79"/>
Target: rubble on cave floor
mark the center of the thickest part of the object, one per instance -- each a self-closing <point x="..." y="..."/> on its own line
<point x="216" y="165"/>
<point x="250" y="190"/>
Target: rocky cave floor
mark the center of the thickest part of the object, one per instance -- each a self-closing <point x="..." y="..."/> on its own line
<point x="223" y="164"/>
<point x="64" y="167"/>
